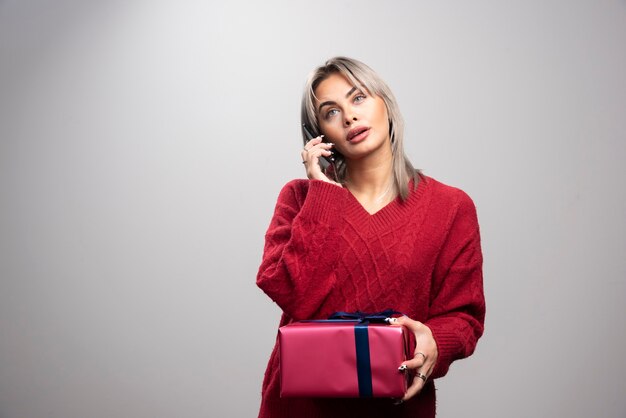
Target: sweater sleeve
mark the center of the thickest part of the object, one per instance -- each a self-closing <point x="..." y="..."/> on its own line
<point x="457" y="306"/>
<point x="301" y="247"/>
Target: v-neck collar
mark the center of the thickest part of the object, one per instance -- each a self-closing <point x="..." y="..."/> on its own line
<point x="388" y="214"/>
<point x="351" y="196"/>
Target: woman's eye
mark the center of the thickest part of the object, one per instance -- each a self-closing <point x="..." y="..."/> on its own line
<point x="359" y="98"/>
<point x="331" y="112"/>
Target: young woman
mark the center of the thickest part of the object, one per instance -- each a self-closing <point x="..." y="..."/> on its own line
<point x="367" y="234"/>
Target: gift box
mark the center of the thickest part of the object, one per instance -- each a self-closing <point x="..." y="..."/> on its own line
<point x="343" y="358"/>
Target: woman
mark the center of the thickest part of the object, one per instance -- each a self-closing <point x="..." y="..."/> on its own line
<point x="367" y="234"/>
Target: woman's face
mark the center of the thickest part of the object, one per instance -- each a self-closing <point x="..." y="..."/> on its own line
<point x="350" y="117"/>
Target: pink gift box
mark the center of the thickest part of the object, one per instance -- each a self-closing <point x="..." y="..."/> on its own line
<point x="342" y="359"/>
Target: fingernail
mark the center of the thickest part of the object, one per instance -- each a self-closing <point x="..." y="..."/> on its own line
<point x="402" y="368"/>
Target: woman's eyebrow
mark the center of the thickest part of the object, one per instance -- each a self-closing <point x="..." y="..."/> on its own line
<point x="319" y="108"/>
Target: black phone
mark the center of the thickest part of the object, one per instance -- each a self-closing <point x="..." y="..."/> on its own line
<point x="324" y="161"/>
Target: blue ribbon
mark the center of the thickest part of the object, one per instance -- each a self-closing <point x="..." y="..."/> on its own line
<point x="362" y="344"/>
<point x="363" y="366"/>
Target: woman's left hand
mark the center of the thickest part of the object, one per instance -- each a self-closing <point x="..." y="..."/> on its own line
<point x="425" y="356"/>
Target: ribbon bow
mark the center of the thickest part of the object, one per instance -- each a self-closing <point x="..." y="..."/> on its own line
<point x="362" y="317"/>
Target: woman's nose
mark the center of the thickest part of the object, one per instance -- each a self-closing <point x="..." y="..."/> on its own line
<point x="350" y="120"/>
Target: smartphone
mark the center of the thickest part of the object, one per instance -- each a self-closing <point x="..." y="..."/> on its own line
<point x="324" y="161"/>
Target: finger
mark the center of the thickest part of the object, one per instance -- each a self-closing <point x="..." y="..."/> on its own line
<point x="408" y="322"/>
<point x="322" y="146"/>
<point x="414" y="389"/>
<point x="313" y="142"/>
<point x="314" y="154"/>
<point x="414" y="363"/>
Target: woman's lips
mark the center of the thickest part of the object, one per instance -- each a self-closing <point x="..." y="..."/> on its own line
<point x="359" y="137"/>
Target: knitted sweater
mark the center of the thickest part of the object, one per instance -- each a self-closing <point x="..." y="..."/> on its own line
<point x="325" y="253"/>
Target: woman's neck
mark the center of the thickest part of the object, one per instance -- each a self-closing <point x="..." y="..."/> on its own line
<point x="371" y="181"/>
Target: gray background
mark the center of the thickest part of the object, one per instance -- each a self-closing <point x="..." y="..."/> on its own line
<point x="143" y="144"/>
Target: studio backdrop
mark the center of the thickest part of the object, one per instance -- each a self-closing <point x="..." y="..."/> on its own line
<point x="143" y="145"/>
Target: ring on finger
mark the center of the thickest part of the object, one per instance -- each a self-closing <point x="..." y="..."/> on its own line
<point x="421" y="376"/>
<point x="421" y="354"/>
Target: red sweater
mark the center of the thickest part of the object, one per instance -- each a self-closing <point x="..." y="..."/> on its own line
<point x="324" y="253"/>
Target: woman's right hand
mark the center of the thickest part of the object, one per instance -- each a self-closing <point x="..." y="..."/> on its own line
<point x="311" y="153"/>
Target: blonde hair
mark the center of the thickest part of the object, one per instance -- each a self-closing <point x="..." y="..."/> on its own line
<point x="360" y="74"/>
